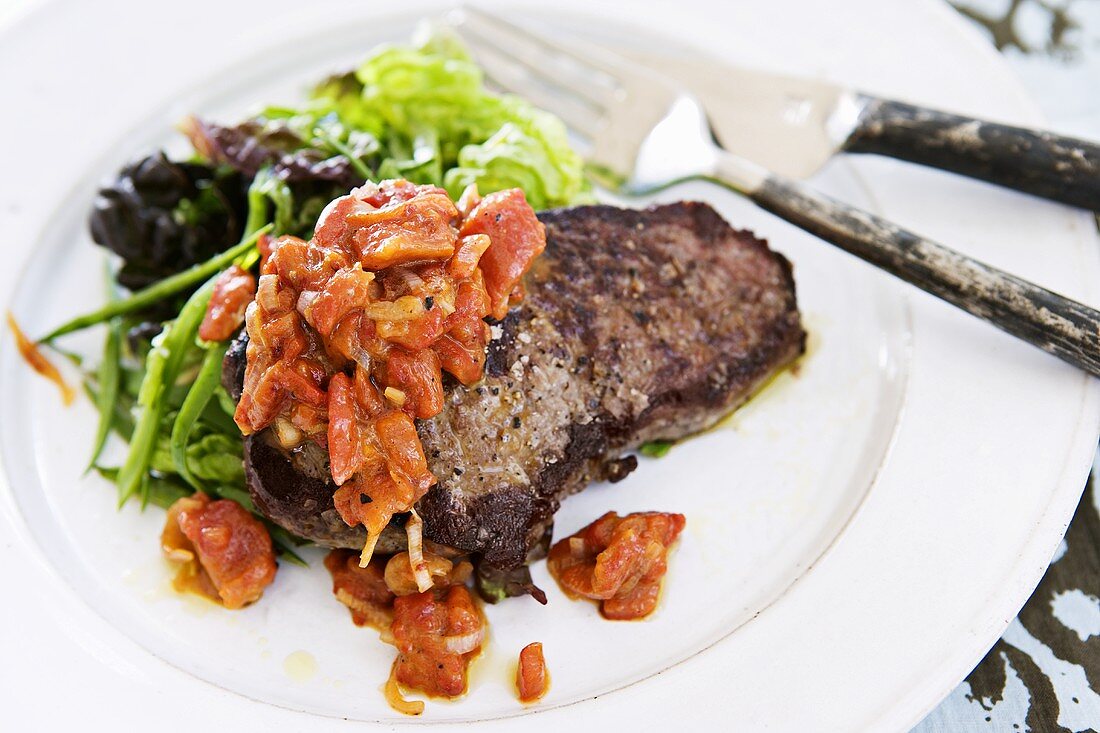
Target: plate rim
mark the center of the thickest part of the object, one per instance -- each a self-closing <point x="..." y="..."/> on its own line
<point x="1077" y="455"/>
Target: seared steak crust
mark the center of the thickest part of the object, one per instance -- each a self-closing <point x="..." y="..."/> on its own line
<point x="636" y="326"/>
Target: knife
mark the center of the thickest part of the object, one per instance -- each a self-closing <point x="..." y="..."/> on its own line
<point x="792" y="126"/>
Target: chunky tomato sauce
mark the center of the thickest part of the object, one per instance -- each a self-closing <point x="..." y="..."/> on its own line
<point x="225" y="553"/>
<point x="234" y="289"/>
<point x="437" y="635"/>
<point x="532" y="678"/>
<point x="618" y="561"/>
<point x="350" y="332"/>
<point x="362" y="589"/>
<point x="437" y="632"/>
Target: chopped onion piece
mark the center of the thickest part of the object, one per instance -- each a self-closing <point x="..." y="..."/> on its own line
<point x="288" y="435"/>
<point x="405" y="308"/>
<point x="396" y="700"/>
<point x="362" y="358"/>
<point x="411" y="280"/>
<point x="368" y="548"/>
<point x="178" y="554"/>
<point x="395" y="396"/>
<point x="267" y="292"/>
<point x="305" y="300"/>
<point x="464" y="643"/>
<point x="414" y="531"/>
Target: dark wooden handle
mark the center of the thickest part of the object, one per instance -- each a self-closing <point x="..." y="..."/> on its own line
<point x="1036" y="162"/>
<point x="1057" y="325"/>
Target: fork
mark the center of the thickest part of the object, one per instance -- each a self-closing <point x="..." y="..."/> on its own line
<point x="642" y="133"/>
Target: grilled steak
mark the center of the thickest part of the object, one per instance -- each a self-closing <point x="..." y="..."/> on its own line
<point x="636" y="326"/>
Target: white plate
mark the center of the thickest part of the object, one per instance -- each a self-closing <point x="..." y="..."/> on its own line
<point x="858" y="535"/>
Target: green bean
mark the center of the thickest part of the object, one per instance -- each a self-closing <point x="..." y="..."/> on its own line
<point x="143" y="437"/>
<point x="162" y="366"/>
<point x="108" y="472"/>
<point x="249" y="259"/>
<point x="240" y="496"/>
<point x="162" y="492"/>
<point x="257" y="201"/>
<point x="193" y="405"/>
<point x="107" y="377"/>
<point x="217" y="419"/>
<point x="284" y="543"/>
<point x="264" y="187"/>
<point x="162" y="289"/>
<point x="122" y="421"/>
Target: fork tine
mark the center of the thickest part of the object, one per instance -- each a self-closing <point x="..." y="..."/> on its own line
<point x="580" y="72"/>
<point x="505" y="72"/>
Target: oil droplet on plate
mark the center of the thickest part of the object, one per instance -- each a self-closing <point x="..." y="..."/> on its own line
<point x="300" y="666"/>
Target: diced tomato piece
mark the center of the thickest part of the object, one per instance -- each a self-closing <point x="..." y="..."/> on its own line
<point x="345" y="431"/>
<point x="618" y="561"/>
<point x="353" y="499"/>
<point x="633" y="604"/>
<point x="472" y="303"/>
<point x="462" y="363"/>
<point x="419" y="377"/>
<point x="265" y="399"/>
<point x="264" y="245"/>
<point x="416" y="229"/>
<point x="303" y="266"/>
<point x="332" y="231"/>
<point x="301" y="382"/>
<point x="532" y="679"/>
<point x="234" y="289"/>
<point x="467" y="255"/>
<point x="437" y="634"/>
<point x="373" y="496"/>
<point x="270" y="392"/>
<point x="401" y="581"/>
<point x="517" y="237"/>
<point x="362" y="590"/>
<point x="391" y="191"/>
<point x="232" y="548"/>
<point x="353" y="408"/>
<point x="348" y="291"/>
<point x="413" y="333"/>
<point x="403" y="450"/>
<point x="468" y="200"/>
<point x="367" y="396"/>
